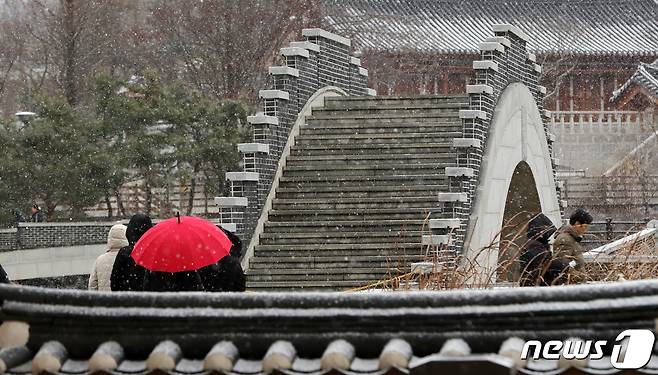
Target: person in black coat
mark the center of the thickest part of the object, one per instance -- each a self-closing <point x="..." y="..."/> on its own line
<point x="236" y="247"/>
<point x="18" y="216"/>
<point x="224" y="276"/>
<point x="535" y="257"/>
<point x="37" y="214"/>
<point x="126" y="274"/>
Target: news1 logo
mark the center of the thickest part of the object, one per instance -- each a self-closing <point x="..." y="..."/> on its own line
<point x="632" y="349"/>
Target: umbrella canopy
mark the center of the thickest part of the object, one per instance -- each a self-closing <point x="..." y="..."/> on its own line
<point x="181" y="244"/>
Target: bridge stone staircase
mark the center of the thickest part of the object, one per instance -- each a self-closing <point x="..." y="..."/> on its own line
<point x="340" y="190"/>
<point x="356" y="189"/>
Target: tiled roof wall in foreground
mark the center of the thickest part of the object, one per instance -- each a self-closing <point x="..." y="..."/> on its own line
<point x="303" y="333"/>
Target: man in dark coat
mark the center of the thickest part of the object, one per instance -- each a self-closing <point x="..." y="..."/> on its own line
<point x="126" y="274"/>
<point x="224" y="276"/>
<point x="536" y="254"/>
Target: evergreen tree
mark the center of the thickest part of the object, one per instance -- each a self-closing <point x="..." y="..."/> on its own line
<point x="56" y="159"/>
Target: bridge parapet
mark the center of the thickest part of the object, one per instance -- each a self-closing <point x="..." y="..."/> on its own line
<point x="42" y="235"/>
<point x="504" y="60"/>
<point x="322" y="60"/>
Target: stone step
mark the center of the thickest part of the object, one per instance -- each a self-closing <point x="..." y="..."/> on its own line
<point x="374" y="275"/>
<point x="404" y="157"/>
<point x="319" y="166"/>
<point x="346" y="253"/>
<point x="428" y="137"/>
<point x="381" y="188"/>
<point x="341" y="262"/>
<point x="379" y="142"/>
<point x="385" y="192"/>
<point x="350" y="232"/>
<point x="291" y="215"/>
<point x="356" y="214"/>
<point x="430" y="128"/>
<point x="384" y="134"/>
<point x="450" y="110"/>
<point x="390" y="179"/>
<point x="384" y="114"/>
<point x="320" y="271"/>
<point x="342" y="200"/>
<point x="297" y="238"/>
<point x="442" y="110"/>
<point x="329" y="171"/>
<point x="421" y="148"/>
<point x="329" y="189"/>
<point x="369" y="123"/>
<point x="392" y="105"/>
<point x="344" y="225"/>
<point x="348" y="161"/>
<point x="330" y="247"/>
<point x="344" y="182"/>
<point x="321" y="205"/>
<point x="393" y="254"/>
<point x="397" y="101"/>
<point x="383" y="195"/>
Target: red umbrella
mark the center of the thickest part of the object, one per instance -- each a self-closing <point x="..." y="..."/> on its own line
<point x="181" y="244"/>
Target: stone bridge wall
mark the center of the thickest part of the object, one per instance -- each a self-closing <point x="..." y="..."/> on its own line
<point x="42" y="235"/>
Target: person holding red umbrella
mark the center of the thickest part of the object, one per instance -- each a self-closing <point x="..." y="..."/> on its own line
<point x="188" y="254"/>
<point x="126" y="274"/>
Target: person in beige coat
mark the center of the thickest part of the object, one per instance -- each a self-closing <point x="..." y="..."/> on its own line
<point x="99" y="279"/>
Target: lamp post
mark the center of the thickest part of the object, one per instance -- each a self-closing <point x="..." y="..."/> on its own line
<point x="25" y="118"/>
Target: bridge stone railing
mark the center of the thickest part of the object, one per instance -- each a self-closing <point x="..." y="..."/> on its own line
<point x="322" y="60"/>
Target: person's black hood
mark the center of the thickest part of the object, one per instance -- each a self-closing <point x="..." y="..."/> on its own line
<point x="137" y="226"/>
<point x="236" y="249"/>
<point x="541" y="228"/>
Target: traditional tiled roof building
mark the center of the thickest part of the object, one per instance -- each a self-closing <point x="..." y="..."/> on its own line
<point x="640" y="92"/>
<point x="590" y="47"/>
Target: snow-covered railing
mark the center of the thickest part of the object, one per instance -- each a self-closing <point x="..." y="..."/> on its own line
<point x="632" y="240"/>
<point x="627" y="118"/>
<point x="639" y="149"/>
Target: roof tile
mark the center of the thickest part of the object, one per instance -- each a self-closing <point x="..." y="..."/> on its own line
<point x="586" y="27"/>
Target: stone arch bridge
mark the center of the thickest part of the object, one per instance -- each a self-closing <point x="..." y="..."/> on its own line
<point x="339" y="188"/>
